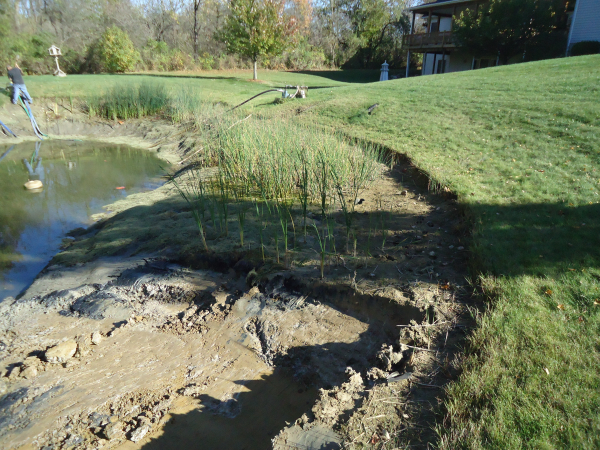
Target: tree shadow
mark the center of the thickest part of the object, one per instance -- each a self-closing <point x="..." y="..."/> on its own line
<point x="345" y="76"/>
<point x="342" y="76"/>
<point x="539" y="239"/>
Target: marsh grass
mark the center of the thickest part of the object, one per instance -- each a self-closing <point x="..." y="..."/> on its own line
<point x="128" y="101"/>
<point x="192" y="192"/>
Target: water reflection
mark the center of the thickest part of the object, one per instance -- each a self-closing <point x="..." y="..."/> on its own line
<point x="78" y="179"/>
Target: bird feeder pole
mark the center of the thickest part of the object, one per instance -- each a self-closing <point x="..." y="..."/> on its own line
<point x="55" y="51"/>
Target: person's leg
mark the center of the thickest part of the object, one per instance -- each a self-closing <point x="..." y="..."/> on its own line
<point x="25" y="94"/>
<point x="15" y="94"/>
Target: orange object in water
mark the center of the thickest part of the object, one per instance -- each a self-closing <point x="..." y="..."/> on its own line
<point x="120" y="187"/>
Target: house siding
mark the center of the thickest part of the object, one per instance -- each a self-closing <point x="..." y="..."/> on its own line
<point x="460" y="60"/>
<point x="586" y="23"/>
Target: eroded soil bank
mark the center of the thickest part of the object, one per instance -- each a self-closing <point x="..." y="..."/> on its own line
<point x="134" y="338"/>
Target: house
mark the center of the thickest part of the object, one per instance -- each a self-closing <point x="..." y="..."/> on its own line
<point x="431" y="35"/>
<point x="584" y="25"/>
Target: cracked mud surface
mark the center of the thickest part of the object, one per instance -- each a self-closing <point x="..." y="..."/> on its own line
<point x="175" y="349"/>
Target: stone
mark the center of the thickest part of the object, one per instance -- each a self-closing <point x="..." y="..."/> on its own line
<point x="97" y="337"/>
<point x="139" y="433"/>
<point x="33" y="184"/>
<point x="113" y="430"/>
<point x="62" y="352"/>
<point x="3" y="387"/>
<point x="29" y="372"/>
<point x="14" y="373"/>
<point x="83" y="346"/>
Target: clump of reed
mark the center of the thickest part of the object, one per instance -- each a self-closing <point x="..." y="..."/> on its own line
<point x="277" y="171"/>
<point x="127" y="101"/>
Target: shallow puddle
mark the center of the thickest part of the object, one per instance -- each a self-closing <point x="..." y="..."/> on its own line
<point x="260" y="411"/>
<point x="78" y="178"/>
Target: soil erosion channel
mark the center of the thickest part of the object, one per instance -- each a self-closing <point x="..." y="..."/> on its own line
<point x="135" y="337"/>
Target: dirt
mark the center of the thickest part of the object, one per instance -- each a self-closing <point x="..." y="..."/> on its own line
<point x="178" y="348"/>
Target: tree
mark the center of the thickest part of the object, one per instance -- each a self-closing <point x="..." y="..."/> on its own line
<point x="375" y="23"/>
<point x="257" y="28"/>
<point x="116" y="51"/>
<point x="504" y="27"/>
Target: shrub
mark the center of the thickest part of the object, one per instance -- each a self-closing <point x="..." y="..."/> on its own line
<point x="585" y="48"/>
<point x="206" y="61"/>
<point x="115" y="51"/>
<point x="158" y="56"/>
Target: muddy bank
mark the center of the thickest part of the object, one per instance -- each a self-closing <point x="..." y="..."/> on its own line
<point x="133" y="337"/>
<point x="73" y="124"/>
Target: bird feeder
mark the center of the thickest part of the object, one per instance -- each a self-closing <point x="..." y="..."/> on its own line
<point x="384" y="71"/>
<point x="55" y="51"/>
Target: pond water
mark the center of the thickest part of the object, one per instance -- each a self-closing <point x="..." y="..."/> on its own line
<point x="78" y="179"/>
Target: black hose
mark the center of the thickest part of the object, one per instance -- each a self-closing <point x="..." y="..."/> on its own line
<point x="252" y="98"/>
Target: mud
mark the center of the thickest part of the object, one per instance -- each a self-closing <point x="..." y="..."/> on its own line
<point x="176" y="348"/>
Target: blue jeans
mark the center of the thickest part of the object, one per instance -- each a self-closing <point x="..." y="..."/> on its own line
<point x="20" y="89"/>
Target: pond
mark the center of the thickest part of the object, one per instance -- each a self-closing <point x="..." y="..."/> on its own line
<point x="78" y="179"/>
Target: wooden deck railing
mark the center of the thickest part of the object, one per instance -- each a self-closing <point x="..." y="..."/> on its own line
<point x="428" y="40"/>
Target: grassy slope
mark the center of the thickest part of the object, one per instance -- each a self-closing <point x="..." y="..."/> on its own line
<point x="520" y="145"/>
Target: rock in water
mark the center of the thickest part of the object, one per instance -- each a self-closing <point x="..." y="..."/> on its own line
<point x="33" y="184"/>
<point x="62" y="352"/>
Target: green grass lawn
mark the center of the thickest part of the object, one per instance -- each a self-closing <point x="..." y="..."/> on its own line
<point x="520" y="145"/>
<point x="230" y="87"/>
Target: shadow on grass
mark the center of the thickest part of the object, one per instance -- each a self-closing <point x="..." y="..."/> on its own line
<point x="342" y="76"/>
<point x="536" y="239"/>
<point x="345" y="76"/>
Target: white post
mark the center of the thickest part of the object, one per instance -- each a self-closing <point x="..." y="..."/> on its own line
<point x="384" y="71"/>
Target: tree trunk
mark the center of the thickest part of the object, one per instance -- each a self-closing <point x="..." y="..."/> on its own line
<point x="255" y="70"/>
<point x="195" y="43"/>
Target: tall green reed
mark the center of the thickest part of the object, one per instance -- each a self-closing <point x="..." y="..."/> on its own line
<point x="193" y="193"/>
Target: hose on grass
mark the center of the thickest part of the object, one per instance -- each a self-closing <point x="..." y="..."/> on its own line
<point x="252" y="98"/>
<point x="36" y="128"/>
<point x="8" y="130"/>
